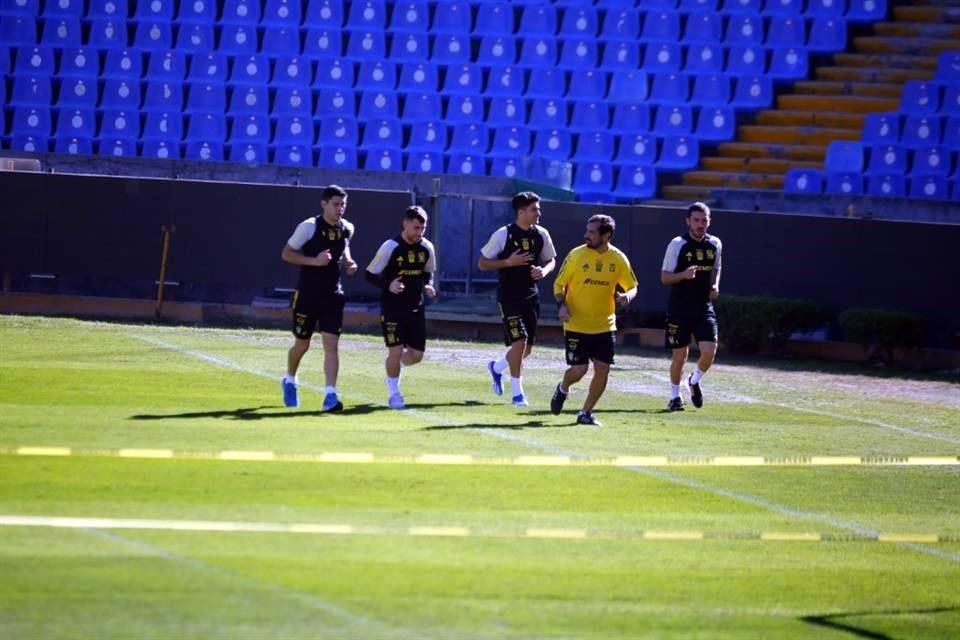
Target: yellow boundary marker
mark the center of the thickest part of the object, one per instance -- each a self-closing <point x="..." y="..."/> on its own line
<point x="538" y="533"/>
<point x="335" y="457"/>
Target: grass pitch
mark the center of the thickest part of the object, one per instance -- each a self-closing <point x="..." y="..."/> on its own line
<point x="153" y="486"/>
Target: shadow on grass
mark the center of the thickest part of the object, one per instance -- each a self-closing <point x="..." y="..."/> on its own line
<point x="435" y="405"/>
<point x="835" y="620"/>
<point x="260" y="413"/>
<point x="530" y="424"/>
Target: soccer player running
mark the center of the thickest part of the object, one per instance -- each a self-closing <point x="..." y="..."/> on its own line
<point x="522" y="253"/>
<point x="594" y="279"/>
<point x="403" y="270"/>
<point x="691" y="267"/>
<point x="319" y="245"/>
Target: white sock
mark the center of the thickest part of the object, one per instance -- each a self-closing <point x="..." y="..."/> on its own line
<point x="293" y="379"/>
<point x="517" y="385"/>
<point x="393" y="385"/>
<point x="697" y="376"/>
<point x="674" y="391"/>
<point x="501" y="365"/>
<point x="562" y="390"/>
<point x="330" y="390"/>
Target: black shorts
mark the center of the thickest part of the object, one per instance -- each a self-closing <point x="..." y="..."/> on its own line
<point x="583" y="347"/>
<point x="702" y="325"/>
<point x="327" y="318"/>
<point x="407" y="328"/>
<point x="520" y="320"/>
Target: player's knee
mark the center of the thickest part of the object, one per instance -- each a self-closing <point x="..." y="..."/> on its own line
<point x="412" y="356"/>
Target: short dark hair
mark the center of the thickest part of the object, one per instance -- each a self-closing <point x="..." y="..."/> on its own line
<point x="415" y="212"/>
<point x="605" y="223"/>
<point x="523" y="199"/>
<point x="331" y="192"/>
<point x="698" y="206"/>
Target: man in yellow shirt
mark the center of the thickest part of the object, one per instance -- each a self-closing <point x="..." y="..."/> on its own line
<point x="593" y="281"/>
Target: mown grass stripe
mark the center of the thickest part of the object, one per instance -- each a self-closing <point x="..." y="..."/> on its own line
<point x="145" y="453"/>
<point x="43" y="451"/>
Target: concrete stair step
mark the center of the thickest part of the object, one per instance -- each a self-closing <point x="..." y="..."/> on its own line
<point x="917" y="29"/>
<point x="909" y="46"/>
<point x="872" y="74"/>
<point x="849" y="104"/>
<point x="885" y="61"/>
<point x="794" y="135"/>
<point x="873" y="89"/>
<point x="728" y="180"/>
<point x="756" y="165"/>
<point x="803" y="152"/>
<point x="930" y="11"/>
<point x="775" y="117"/>
<point x="685" y="192"/>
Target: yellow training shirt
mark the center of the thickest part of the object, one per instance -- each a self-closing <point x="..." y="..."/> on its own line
<point x="590" y="279"/>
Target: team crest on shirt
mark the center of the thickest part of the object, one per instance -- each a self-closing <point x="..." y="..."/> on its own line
<point x="422" y="256"/>
<point x="598" y="267"/>
<point x="525" y="243"/>
<point x="333" y="234"/>
<point x="613" y="268"/>
<point x="411" y="256"/>
<point x="700" y="254"/>
<point x="710" y="254"/>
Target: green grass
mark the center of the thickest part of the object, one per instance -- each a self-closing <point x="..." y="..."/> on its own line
<point x="99" y="387"/>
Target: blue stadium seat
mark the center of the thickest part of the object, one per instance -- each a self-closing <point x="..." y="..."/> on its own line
<point x="281" y="13"/>
<point x="587" y="84"/>
<point x="473" y="138"/>
<point x="673" y="120"/>
<point x="121" y="93"/>
<point x="327" y="14"/>
<point x="197" y="12"/>
<point x="74" y="146"/>
<point x="678" y="152"/>
<point x="166" y="65"/>
<point x="579" y="22"/>
<point x="338" y="102"/>
<point x="734" y="7"/>
<point x="76" y="123"/>
<point x="826" y="8"/>
<point x="551" y="171"/>
<point x="280" y="41"/>
<point x="249" y="99"/>
<point x="422" y="106"/>
<point x="337" y="157"/>
<point x="802" y="180"/>
<point x="153" y="36"/>
<point x="451" y="48"/>
<point x="827" y="35"/>
<point x="578" y="54"/>
<point x="920" y="97"/>
<point x="294" y="130"/>
<point x="293" y="100"/>
<point x="452" y="16"/>
<point x="716" y="124"/>
<point x="538" y="20"/>
<point x="75" y="62"/>
<point x="294" y="155"/>
<point x="18" y="30"/>
<point x="553" y="144"/>
<point x="61" y="32"/>
<point x="637" y="149"/>
<point x="506" y="110"/>
<point x="661" y="26"/>
<point x="250" y="128"/>
<point x="323" y="44"/>
<point x="548" y="112"/>
<point x="887" y="159"/>
<point x="662" y="57"/>
<point x="117" y="147"/>
<point x="955" y="190"/>
<point x="466" y="164"/>
<point x="620" y="24"/>
<point x="30" y="143"/>
<point x="163" y="95"/>
<point x="749" y="60"/>
<point x="107" y="33"/>
<point x="241" y="12"/>
<point x="418" y="77"/>
<point x="208" y="67"/>
<point x="118" y="124"/>
<point x="703" y="28"/>
<point x="711" y="90"/>
<point x="547" y="83"/>
<point x="338" y="131"/>
<point x="206" y="127"/>
<point x="628" y="86"/>
<point x="948" y="68"/>
<point x="195" y="38"/>
<point x="511" y="142"/>
<point x="161" y="149"/>
<point x="844" y="155"/>
<point x="920" y="131"/>
<point x="698" y="6"/>
<point x="367" y="15"/>
<point x="593" y="182"/>
<point x="886" y="185"/>
<point x="704" y="58"/>
<point x="33" y="91"/>
<point x="783" y="7"/>
<point x="786" y="30"/>
<point x="427" y="136"/>
<point x="506" y="167"/>
<point x="377" y="75"/>
<point x="34" y="61"/>
<point x="867" y="10"/>
<point x="247" y="70"/>
<point x="336" y="74"/>
<point x="154" y="11"/>
<point x="497" y="51"/>
<point x="881" y="128"/>
<point x="951" y="99"/>
<point x="424" y="162"/>
<point x="20" y="7"/>
<point x="951" y="133"/>
<point x="788" y="63"/>
<point x="464" y="109"/>
<point x="635" y="182"/>
<point x="4" y="58"/>
<point x="931" y="161"/>
<point x="383" y="160"/>
<point x="206" y="98"/>
<point x="621" y="55"/>
<point x="415" y="47"/>
<point x="504" y="81"/>
<point x="494" y="19"/>
<point x="378" y="104"/>
<point x="464" y="79"/>
<point x="384" y="133"/>
<point x="366" y="45"/>
<point x="123" y="63"/>
<point x="538" y="52"/>
<point x="670" y="88"/>
<point x="589" y="115"/>
<point x="630" y="118"/>
<point x="204" y="151"/>
<point x="744" y="30"/>
<point x="78" y="92"/>
<point x="844" y="183"/>
<point x="929" y="187"/>
<point x="753" y="92"/>
<point x="291" y="70"/>
<point x="594" y="146"/>
<point x="410" y="16"/>
<point x="163" y="126"/>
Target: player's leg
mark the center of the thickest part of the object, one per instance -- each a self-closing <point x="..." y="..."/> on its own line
<point x="413" y="332"/>
<point x="331" y="325"/>
<point x="677" y="337"/>
<point x="577" y="365"/>
<point x="303" y="325"/>
<point x="601" y="351"/>
<point x="392" y="338"/>
<point x="706" y="334"/>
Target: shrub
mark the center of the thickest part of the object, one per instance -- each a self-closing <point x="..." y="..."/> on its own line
<point x="882" y="332"/>
<point x="759" y="324"/>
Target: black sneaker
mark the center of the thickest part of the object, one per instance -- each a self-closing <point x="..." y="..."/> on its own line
<point x="585" y="417"/>
<point x="556" y="402"/>
<point x="675" y="404"/>
<point x="696" y="395"/>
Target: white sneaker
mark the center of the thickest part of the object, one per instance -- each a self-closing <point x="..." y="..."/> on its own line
<point x="396" y="401"/>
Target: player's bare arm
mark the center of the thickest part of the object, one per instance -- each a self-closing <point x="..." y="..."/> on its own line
<point x="667" y="277"/>
<point x="539" y="273"/>
<point x="516" y="259"/>
<point x="292" y="256"/>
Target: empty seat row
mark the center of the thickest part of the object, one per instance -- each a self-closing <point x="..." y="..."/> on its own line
<point x="852" y="157"/>
<point x="912" y="130"/>
<point x="890" y="185"/>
